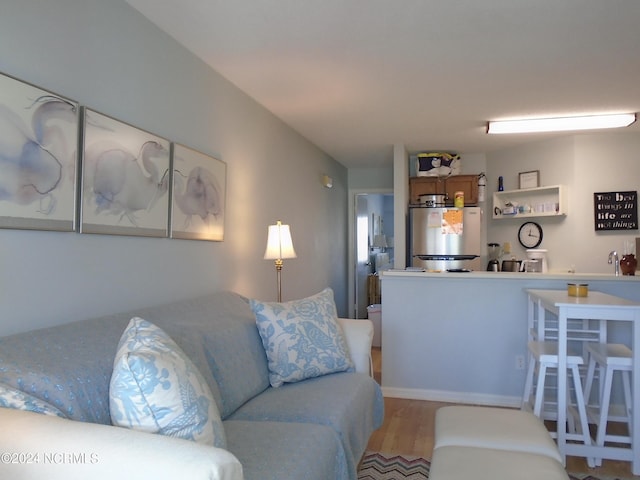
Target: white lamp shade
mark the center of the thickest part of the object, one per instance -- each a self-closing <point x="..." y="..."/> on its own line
<point x="279" y="243"/>
<point x="380" y="241"/>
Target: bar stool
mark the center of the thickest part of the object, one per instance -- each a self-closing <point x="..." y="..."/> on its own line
<point x="544" y="355"/>
<point x="611" y="358"/>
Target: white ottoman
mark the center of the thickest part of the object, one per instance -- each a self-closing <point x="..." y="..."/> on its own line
<point x="464" y="463"/>
<point x="495" y="428"/>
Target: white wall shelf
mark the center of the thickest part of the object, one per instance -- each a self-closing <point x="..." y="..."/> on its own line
<point x="531" y="202"/>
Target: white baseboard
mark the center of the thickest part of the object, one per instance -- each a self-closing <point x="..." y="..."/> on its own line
<point x="616" y="411"/>
<point x="452" y="397"/>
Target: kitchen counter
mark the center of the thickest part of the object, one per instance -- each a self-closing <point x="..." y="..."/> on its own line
<point x="459" y="337"/>
<point x="569" y="277"/>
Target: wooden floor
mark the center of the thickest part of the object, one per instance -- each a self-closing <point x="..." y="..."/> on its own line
<point x="408" y="429"/>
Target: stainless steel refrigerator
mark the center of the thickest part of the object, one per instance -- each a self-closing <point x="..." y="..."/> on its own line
<point x="445" y="238"/>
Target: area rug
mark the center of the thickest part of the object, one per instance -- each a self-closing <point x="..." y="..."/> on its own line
<point x="378" y="466"/>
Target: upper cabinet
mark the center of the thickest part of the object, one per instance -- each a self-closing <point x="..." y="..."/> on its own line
<point x="468" y="184"/>
<point x="530" y="202"/>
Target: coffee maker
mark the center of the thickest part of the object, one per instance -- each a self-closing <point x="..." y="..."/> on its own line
<point x="536" y="261"/>
<point x="495" y="252"/>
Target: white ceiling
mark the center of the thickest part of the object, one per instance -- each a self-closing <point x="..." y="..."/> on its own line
<point x="357" y="76"/>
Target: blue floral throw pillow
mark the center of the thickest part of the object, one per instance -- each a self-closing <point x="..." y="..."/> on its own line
<point x="156" y="388"/>
<point x="302" y="338"/>
<point x="12" y="398"/>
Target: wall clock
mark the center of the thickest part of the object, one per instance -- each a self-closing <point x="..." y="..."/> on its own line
<point x="530" y="235"/>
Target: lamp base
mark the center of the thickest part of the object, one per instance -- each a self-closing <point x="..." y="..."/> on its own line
<point x="279" y="278"/>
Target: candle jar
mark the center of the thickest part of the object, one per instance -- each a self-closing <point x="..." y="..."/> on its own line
<point x="628" y="264"/>
<point x="577" y="289"/>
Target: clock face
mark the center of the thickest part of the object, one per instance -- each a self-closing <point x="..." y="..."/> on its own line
<point x="530" y="235"/>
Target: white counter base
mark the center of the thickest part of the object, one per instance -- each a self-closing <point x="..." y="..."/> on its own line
<point x="454" y="337"/>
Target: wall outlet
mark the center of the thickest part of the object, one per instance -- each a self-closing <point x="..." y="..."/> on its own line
<point x="519" y="362"/>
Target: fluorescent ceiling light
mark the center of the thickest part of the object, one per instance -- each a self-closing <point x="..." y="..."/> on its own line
<point x="561" y="124"/>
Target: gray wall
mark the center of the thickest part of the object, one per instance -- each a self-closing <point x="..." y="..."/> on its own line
<point x="108" y="57"/>
<point x="586" y="163"/>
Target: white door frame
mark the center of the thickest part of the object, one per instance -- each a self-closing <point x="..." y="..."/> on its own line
<point x="352" y="306"/>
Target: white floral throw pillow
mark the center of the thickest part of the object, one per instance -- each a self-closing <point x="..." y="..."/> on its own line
<point x="302" y="338"/>
<point x="156" y="388"/>
<point x="12" y="398"/>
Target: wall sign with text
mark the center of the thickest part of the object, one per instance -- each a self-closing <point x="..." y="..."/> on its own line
<point x="615" y="210"/>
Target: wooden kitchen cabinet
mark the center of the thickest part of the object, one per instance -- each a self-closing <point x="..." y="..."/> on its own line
<point x="462" y="183"/>
<point x="445" y="185"/>
<point x="424" y="186"/>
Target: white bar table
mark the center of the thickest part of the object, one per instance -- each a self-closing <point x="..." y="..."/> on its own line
<point x="596" y="306"/>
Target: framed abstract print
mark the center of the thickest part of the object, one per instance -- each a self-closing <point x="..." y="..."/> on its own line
<point x="125" y="179"/>
<point x="38" y="157"/>
<point x="198" y="195"/>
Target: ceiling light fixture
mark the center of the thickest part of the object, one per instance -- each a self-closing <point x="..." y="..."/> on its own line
<point x="561" y="124"/>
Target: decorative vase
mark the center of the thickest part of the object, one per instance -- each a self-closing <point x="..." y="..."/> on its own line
<point x="628" y="264"/>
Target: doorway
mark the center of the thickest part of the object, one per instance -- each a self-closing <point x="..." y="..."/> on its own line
<point x="372" y="251"/>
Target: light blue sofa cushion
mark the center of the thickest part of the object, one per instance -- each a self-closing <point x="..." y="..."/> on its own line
<point x="218" y="333"/>
<point x="68" y="366"/>
<point x="302" y="338"/>
<point x="284" y="450"/>
<point x="155" y="388"/>
<point x="350" y="403"/>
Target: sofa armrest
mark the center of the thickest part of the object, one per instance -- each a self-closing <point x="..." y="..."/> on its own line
<point x="359" y="335"/>
<point x="35" y="446"/>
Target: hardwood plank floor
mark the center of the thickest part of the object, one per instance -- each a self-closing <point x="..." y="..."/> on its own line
<point x="409" y="425"/>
